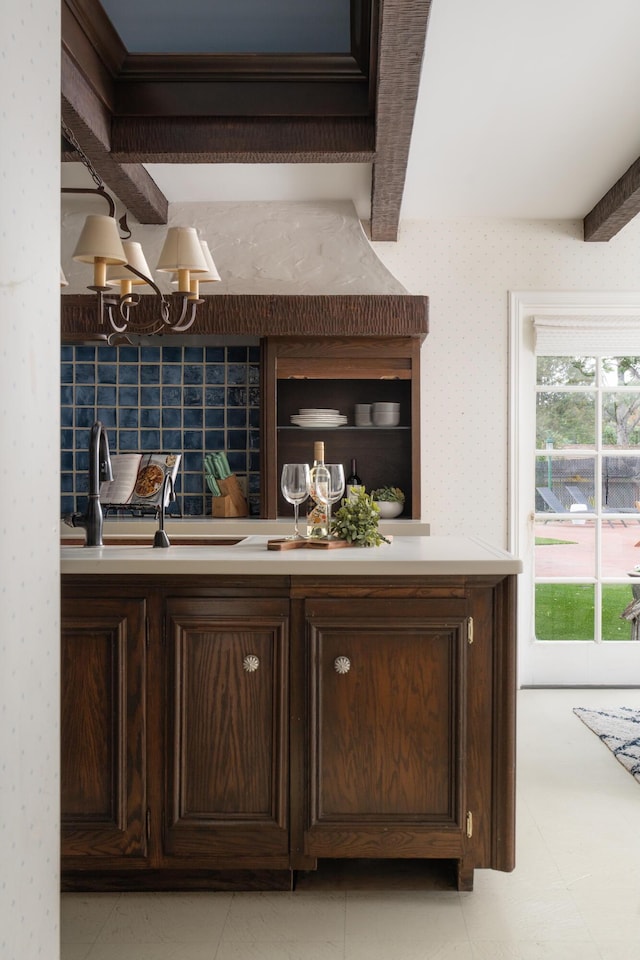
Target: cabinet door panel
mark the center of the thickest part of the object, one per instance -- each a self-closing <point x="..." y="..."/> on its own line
<point x="227" y="756"/>
<point x="102" y="728"/>
<point x="387" y="735"/>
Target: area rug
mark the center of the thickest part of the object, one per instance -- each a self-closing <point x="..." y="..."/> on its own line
<point x="619" y="729"/>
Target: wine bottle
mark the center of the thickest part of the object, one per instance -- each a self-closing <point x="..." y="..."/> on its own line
<point x="317" y="511"/>
<point x="353" y="482"/>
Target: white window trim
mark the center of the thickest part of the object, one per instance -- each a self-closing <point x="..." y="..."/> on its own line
<point x="549" y="664"/>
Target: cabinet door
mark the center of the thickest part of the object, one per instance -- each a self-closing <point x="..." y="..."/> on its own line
<point x="387" y="740"/>
<point x="102" y="729"/>
<point x="226" y="729"/>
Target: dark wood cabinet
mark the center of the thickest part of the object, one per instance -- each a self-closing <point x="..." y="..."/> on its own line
<point x="387" y="732"/>
<point x="103" y="759"/>
<point x="337" y="373"/>
<point x="227" y="729"/>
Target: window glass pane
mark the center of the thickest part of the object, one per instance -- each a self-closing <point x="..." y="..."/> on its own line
<point x="619" y="553"/>
<point x="565" y="483"/>
<point x="565" y="548"/>
<point x="566" y="371"/>
<point x="564" y="611"/>
<point x="616" y="597"/>
<point x="621" y="371"/>
<point x="620" y="483"/>
<point x="565" y="419"/>
<point x="621" y="419"/>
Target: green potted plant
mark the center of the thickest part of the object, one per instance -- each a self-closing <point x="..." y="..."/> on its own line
<point x="389" y="500"/>
<point x="356" y="521"/>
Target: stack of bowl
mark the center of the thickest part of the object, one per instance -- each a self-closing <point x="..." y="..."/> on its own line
<point x="362" y="414"/>
<point x="386" y="414"/>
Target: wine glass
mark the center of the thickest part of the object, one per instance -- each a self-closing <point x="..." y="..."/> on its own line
<point x="332" y="491"/>
<point x="295" y="484"/>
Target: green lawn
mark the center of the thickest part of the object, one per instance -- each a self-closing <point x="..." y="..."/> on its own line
<point x="564" y="611"/>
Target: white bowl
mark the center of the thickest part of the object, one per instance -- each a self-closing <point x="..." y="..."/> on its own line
<point x="386" y="419"/>
<point x="386" y="407"/>
<point x="389" y="508"/>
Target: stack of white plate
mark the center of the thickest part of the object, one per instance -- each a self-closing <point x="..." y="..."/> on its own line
<point x="317" y="417"/>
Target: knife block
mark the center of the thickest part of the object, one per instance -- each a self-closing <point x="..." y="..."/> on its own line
<point x="232" y="503"/>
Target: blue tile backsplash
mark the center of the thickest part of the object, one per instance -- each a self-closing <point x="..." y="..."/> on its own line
<point x="188" y="400"/>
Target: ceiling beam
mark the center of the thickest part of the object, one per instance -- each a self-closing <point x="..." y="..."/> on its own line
<point x="402" y="33"/>
<point x="90" y="121"/>
<point x="243" y="140"/>
<point x="617" y="208"/>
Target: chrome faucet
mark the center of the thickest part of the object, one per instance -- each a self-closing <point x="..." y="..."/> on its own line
<point x="168" y="494"/>
<point x="99" y="470"/>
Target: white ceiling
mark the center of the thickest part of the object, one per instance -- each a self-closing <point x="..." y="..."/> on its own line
<point x="526" y="109"/>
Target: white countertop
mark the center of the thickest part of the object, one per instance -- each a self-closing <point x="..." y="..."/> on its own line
<point x="406" y="555"/>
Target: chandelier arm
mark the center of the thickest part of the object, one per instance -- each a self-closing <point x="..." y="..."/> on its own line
<point x="99" y="191"/>
<point x="181" y="323"/>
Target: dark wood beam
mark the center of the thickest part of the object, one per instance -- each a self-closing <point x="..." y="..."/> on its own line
<point x="617" y="208"/>
<point x="381" y="315"/>
<point x="243" y="140"/>
<point x="89" y="120"/>
<point x="402" y="34"/>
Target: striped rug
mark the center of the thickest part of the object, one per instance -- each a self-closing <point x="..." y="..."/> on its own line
<point x="619" y="729"/>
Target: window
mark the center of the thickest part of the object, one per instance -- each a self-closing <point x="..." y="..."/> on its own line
<point x="575" y="485"/>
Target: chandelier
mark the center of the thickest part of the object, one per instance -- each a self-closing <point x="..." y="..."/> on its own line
<point x="119" y="264"/>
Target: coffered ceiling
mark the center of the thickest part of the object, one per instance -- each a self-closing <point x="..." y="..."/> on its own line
<point x="510" y="109"/>
<point x="351" y="104"/>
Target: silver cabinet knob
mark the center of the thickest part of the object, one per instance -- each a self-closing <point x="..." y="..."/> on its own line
<point x="250" y="663"/>
<point x="342" y="664"/>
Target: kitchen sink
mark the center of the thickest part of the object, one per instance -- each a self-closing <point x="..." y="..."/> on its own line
<point x="140" y="540"/>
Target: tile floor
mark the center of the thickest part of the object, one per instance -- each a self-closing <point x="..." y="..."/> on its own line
<point x="575" y="893"/>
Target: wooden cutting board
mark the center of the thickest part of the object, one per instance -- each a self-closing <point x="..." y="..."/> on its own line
<point x="313" y="544"/>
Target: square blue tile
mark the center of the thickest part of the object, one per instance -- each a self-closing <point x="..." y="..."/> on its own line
<point x="194" y="483"/>
<point x="150" y="396"/>
<point x="128" y="354"/>
<point x="192" y="396"/>
<point x="149" y="355"/>
<point x="214" y="397"/>
<point x="66" y="461"/>
<point x="66" y="438"/>
<point x="192" y="439"/>
<point x="192" y="417"/>
<point x="193" y="506"/>
<point x="85" y="354"/>
<point x="237" y="460"/>
<point x="66" y="373"/>
<point x="81" y="459"/>
<point x="192" y="461"/>
<point x="237" y="373"/>
<point x="107" y="373"/>
<point x="215" y="373"/>
<point x="254" y="460"/>
<point x="237" y="417"/>
<point x="67" y="505"/>
<point x="150" y="440"/>
<point x="106" y="396"/>
<point x="128" y="396"/>
<point x="108" y="416"/>
<point x="172" y="440"/>
<point x="253" y="375"/>
<point x="105" y="354"/>
<point x="128" y="373"/>
<point x="236" y="354"/>
<point x="85" y="416"/>
<point x="214" y="440"/>
<point x="172" y="354"/>
<point x="236" y="396"/>
<point x="66" y="482"/>
<point x="171" y="396"/>
<point x="214" y="355"/>
<point x="253" y="398"/>
<point x="128" y="418"/>
<point x="150" y="417"/>
<point x="237" y="440"/>
<point x="150" y="373"/>
<point x="193" y="373"/>
<point x="254" y="416"/>
<point x="66" y="353"/>
<point x="193" y="354"/>
<point x="171" y="373"/>
<point x="128" y="440"/>
<point x="85" y="373"/>
<point x="172" y="417"/>
<point x="66" y="395"/>
<point x="254" y="354"/>
<point x="214" y="417"/>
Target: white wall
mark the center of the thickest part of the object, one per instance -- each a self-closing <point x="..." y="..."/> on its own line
<point x="29" y="471"/>
<point x="467" y="268"/>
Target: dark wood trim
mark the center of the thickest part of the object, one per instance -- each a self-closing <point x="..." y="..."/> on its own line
<point x="243" y="140"/>
<point x="391" y="315"/>
<point x="617" y="207"/>
<point x="402" y="35"/>
<point x="90" y="121"/>
<point x="234" y="66"/>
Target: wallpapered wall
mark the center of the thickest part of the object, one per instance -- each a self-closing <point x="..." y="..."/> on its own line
<point x="29" y="428"/>
<point x="178" y="399"/>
